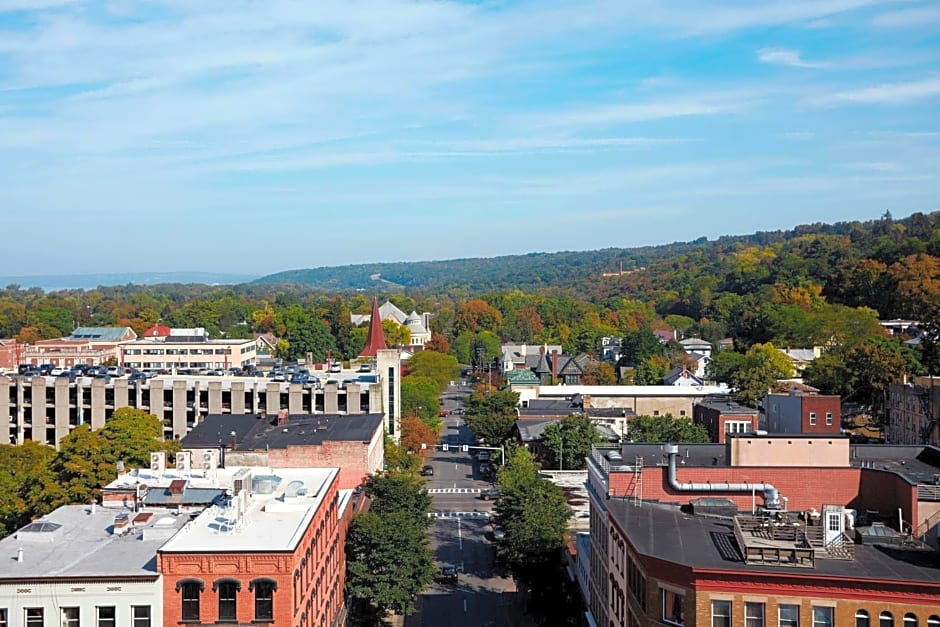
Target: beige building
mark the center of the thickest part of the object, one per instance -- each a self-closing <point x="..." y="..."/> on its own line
<point x="195" y="352"/>
<point x="46" y="409"/>
<point x="912" y="412"/>
<point x="91" y="346"/>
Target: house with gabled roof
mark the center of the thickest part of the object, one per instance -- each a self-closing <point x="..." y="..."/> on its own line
<point x="419" y="325"/>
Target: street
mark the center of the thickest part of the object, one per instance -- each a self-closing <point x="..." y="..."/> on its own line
<point x="461" y="535"/>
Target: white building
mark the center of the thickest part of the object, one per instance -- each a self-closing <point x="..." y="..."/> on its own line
<point x="418" y="324"/>
<point x="85" y="565"/>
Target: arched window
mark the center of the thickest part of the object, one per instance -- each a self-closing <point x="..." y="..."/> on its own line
<point x="910" y="620"/>
<point x="190" y="590"/>
<point x="227" y="590"/>
<point x="264" y="598"/>
<point x="886" y="619"/>
<point x="862" y="619"/>
<point x="933" y="621"/>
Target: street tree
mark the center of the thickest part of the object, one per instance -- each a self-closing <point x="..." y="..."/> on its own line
<point x="389" y="562"/>
<point x="568" y="442"/>
<point x="415" y="432"/>
<point x="665" y="429"/>
<point x="491" y="416"/>
<point x="420" y="396"/>
<point x="398" y="459"/>
<point x="440" y="368"/>
<point x="534" y="514"/>
<point x="395" y="491"/>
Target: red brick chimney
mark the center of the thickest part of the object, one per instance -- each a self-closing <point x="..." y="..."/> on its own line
<point x="282" y="417"/>
<point x="554" y="366"/>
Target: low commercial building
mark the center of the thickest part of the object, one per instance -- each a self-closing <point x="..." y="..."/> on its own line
<point x="91" y="346"/>
<point x="642" y="400"/>
<point x="721" y="416"/>
<point x="353" y="443"/>
<point x="271" y="554"/>
<point x="801" y="412"/>
<point x="191" y="351"/>
<point x="912" y="412"/>
<point x="46" y="409"/>
<point x="769" y="503"/>
<point x="86" y="565"/>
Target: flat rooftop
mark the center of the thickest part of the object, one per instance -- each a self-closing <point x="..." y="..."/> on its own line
<point x="273" y="521"/>
<point x="253" y="432"/>
<point x="666" y="532"/>
<point x="74" y="542"/>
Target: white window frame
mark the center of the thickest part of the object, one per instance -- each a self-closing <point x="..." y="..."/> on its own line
<point x="727" y="617"/>
<point x="42" y="616"/>
<point x="748" y="616"/>
<point x="141" y="619"/>
<point x="812" y="419"/>
<point x="71" y="622"/>
<point x="108" y="622"/>
<point x="829" y="418"/>
<point x="826" y="609"/>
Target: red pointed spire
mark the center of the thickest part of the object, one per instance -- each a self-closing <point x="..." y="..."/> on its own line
<point x="376" y="338"/>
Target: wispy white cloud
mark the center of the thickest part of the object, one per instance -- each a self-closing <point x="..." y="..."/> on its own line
<point x="886" y="93"/>
<point x="915" y="17"/>
<point x="786" y="57"/>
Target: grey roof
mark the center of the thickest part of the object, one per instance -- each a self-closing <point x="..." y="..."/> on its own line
<point x="533" y="429"/>
<point x="190" y="496"/>
<point x="667" y="533"/>
<point x="83" y="545"/>
<point x="254" y="433"/>
<point x="692" y="454"/>
<point x="98" y="333"/>
<point x="727" y="406"/>
<point x="676" y="373"/>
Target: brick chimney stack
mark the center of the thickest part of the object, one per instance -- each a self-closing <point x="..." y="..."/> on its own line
<point x="554" y="366"/>
<point x="282" y="417"/>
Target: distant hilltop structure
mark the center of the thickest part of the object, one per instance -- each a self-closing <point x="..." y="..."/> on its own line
<point x="622" y="272"/>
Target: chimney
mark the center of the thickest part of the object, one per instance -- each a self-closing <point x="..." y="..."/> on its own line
<point x="586" y="401"/>
<point x="554" y="366"/>
<point x="232" y="440"/>
<point x="282" y="417"/>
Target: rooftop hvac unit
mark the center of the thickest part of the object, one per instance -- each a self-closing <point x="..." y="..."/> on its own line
<point x="184" y="461"/>
<point x="241" y="481"/>
<point x="158" y="462"/>
<point x="210" y="460"/>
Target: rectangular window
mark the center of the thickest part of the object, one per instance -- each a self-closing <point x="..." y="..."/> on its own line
<point x="672" y="607"/>
<point x="4" y="618"/>
<point x="107" y="616"/>
<point x="34" y="617"/>
<point x="70" y="617"/>
<point x="721" y="613"/>
<point x="789" y="616"/>
<point x="189" y="599"/>
<point x="141" y="615"/>
<point x="812" y="418"/>
<point x="823" y="616"/>
<point x="753" y="614"/>
<point x="829" y="418"/>
<point x="264" y="601"/>
<point x="227" y="603"/>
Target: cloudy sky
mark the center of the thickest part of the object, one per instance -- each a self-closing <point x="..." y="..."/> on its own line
<point x="243" y="136"/>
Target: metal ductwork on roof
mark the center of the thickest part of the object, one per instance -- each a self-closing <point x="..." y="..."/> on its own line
<point x="770" y="494"/>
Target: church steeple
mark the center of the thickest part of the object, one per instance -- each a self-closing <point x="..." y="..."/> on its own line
<point x="376" y="338"/>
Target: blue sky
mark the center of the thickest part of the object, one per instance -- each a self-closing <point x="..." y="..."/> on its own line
<point x="228" y="135"/>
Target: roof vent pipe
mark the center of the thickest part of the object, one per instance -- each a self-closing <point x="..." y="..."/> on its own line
<point x="770" y="493"/>
<point x="19" y="555"/>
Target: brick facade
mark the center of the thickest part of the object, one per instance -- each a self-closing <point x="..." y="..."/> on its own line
<point x="309" y="580"/>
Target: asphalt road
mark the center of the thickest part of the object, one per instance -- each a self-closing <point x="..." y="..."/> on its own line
<point x="462" y="535"/>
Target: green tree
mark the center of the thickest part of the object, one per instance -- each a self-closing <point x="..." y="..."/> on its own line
<point x="568" y="442"/>
<point x="440" y="368"/>
<point x="491" y="416"/>
<point x="534" y="514"/>
<point x="88" y="459"/>
<point x="399" y="459"/>
<point x="399" y="492"/>
<point x="304" y="333"/>
<point x="389" y="561"/>
<point x="651" y="370"/>
<point x="638" y="346"/>
<point x="24" y="471"/>
<point x="420" y="396"/>
<point x="599" y="373"/>
<point x="395" y="334"/>
<point x="665" y="429"/>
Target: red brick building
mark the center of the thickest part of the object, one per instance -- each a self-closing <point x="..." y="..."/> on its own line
<point x="655" y="560"/>
<point x="264" y="558"/>
<point x="354" y="443"/>
<point x="722" y="416"/>
<point x="800" y="412"/>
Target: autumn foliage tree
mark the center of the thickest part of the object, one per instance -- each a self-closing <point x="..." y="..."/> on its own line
<point x="415" y="432"/>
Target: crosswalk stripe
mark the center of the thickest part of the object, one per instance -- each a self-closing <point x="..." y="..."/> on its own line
<point x="452" y="515"/>
<point x="454" y="490"/>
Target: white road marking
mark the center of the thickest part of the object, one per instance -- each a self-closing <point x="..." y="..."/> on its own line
<point x="459" y="535"/>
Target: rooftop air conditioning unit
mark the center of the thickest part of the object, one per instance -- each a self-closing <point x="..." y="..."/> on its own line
<point x="158" y="462"/>
<point x="209" y="460"/>
<point x="184" y="461"/>
<point x="241" y="482"/>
